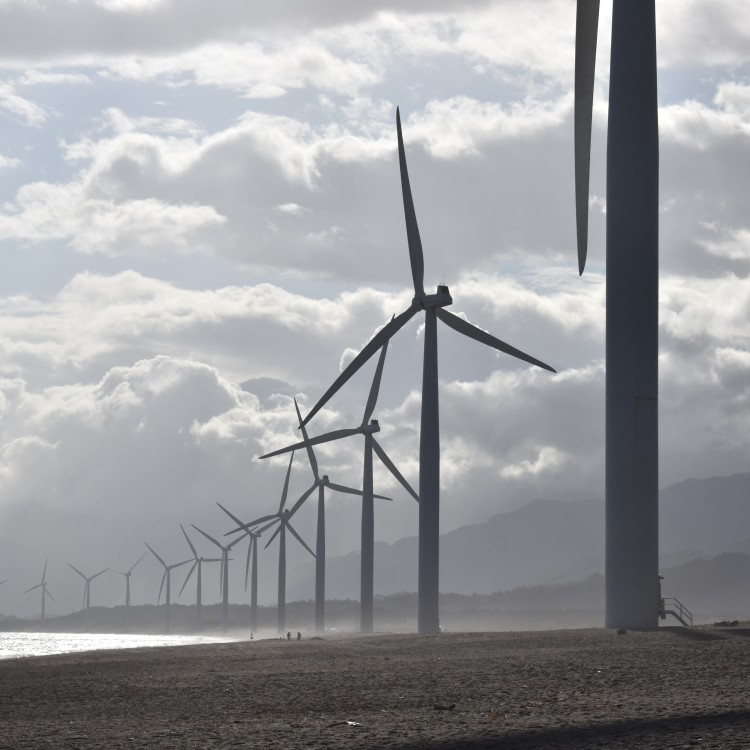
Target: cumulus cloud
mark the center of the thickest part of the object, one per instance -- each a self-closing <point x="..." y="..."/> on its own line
<point x="217" y="201"/>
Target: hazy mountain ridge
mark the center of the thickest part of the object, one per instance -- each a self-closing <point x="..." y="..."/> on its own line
<point x="548" y="542"/>
<point x="713" y="589"/>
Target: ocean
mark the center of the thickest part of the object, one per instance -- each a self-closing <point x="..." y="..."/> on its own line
<point x="17" y="645"/>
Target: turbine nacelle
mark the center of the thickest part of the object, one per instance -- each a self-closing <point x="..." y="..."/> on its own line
<point x="442" y="298"/>
<point x="371" y="428"/>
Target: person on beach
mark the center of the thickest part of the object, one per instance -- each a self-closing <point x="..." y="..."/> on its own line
<point x="289" y="635"/>
<point x="299" y="636"/>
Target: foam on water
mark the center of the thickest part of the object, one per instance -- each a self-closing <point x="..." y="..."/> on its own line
<point x="15" y="645"/>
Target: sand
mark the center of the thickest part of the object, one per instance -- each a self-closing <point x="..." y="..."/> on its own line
<point x="671" y="688"/>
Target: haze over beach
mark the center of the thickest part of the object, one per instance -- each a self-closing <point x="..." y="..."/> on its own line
<point x="201" y="218"/>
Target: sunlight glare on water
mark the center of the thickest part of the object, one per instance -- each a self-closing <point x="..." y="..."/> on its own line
<point x="14" y="645"/>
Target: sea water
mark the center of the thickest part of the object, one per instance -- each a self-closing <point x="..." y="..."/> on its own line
<point x="14" y="645"/>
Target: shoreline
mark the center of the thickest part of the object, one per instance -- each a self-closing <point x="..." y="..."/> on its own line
<point x="566" y="688"/>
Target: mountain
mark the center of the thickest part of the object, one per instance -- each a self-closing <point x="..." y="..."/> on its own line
<point x="550" y="542"/>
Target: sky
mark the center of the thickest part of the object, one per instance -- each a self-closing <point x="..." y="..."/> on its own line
<point x="201" y="218"/>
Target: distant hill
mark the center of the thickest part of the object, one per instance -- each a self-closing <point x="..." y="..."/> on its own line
<point x="713" y="589"/>
<point x="549" y="542"/>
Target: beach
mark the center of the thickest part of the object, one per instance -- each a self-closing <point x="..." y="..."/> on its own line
<point x="591" y="688"/>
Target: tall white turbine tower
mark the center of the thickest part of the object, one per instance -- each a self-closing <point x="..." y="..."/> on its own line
<point x="632" y="427"/>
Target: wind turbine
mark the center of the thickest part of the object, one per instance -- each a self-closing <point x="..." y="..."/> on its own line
<point x="197" y="564"/>
<point x="433" y="306"/>
<point x="320" y="543"/>
<point x="127" y="574"/>
<point x="281" y="517"/>
<point x="367" y="429"/>
<point x="224" y="573"/>
<point x="632" y="320"/>
<point x="43" y="587"/>
<point x="87" y="584"/>
<point x="166" y="577"/>
<point x="252" y="555"/>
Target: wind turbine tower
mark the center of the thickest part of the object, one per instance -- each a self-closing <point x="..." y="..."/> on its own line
<point x="197" y="565"/>
<point x="166" y="578"/>
<point x="632" y="320"/>
<point x="127" y="574"/>
<point x="433" y="306"/>
<point x="281" y="517"/>
<point x="43" y="587"/>
<point x="251" y="566"/>
<point x="225" y="549"/>
<point x="367" y="429"/>
<point x="87" y="584"/>
<point x="319" y="482"/>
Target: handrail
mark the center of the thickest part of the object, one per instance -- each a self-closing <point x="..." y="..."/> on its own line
<point x="680" y="611"/>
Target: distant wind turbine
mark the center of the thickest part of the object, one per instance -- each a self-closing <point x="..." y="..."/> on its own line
<point x="251" y="566"/>
<point x="43" y="587"/>
<point x="127" y="574"/>
<point x="197" y="565"/>
<point x="225" y="549"/>
<point x="632" y="326"/>
<point x="281" y="520"/>
<point x="87" y="584"/>
<point x="166" y="578"/>
<point x="433" y="306"/>
<point x="320" y="544"/>
<point x="367" y="429"/>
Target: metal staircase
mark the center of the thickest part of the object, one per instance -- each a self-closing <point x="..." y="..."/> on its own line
<point x="669" y="605"/>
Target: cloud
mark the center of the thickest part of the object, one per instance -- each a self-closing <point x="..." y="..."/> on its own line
<point x="130" y="227"/>
<point x="20" y="108"/>
<point x="7" y="162"/>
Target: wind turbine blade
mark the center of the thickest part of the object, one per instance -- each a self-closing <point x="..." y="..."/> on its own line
<point x="345" y="490"/>
<point x="44" y="572"/>
<point x="416" y="256"/>
<point x="268" y="525"/>
<point x="177" y="565"/>
<point x="307" y="443"/>
<point x="187" y="577"/>
<point x="470" y="330"/>
<point x="587" y="23"/>
<point x="383" y="335"/>
<point x="208" y="536"/>
<point x="190" y="544"/>
<point x="302" y="499"/>
<point x="234" y="541"/>
<point x="98" y="574"/>
<point x="246" y="526"/>
<point x="286" y="483"/>
<point x="325" y="438"/>
<point x="77" y="571"/>
<point x="163" y="578"/>
<point x="46" y="591"/>
<point x="136" y="562"/>
<point x="274" y="535"/>
<point x="375" y="387"/>
<point x="32" y="588"/>
<point x="242" y="526"/>
<point x="156" y="556"/>
<point x="383" y="456"/>
<point x="299" y="538"/>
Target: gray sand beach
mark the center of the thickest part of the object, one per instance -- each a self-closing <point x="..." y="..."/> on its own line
<point x="591" y="688"/>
